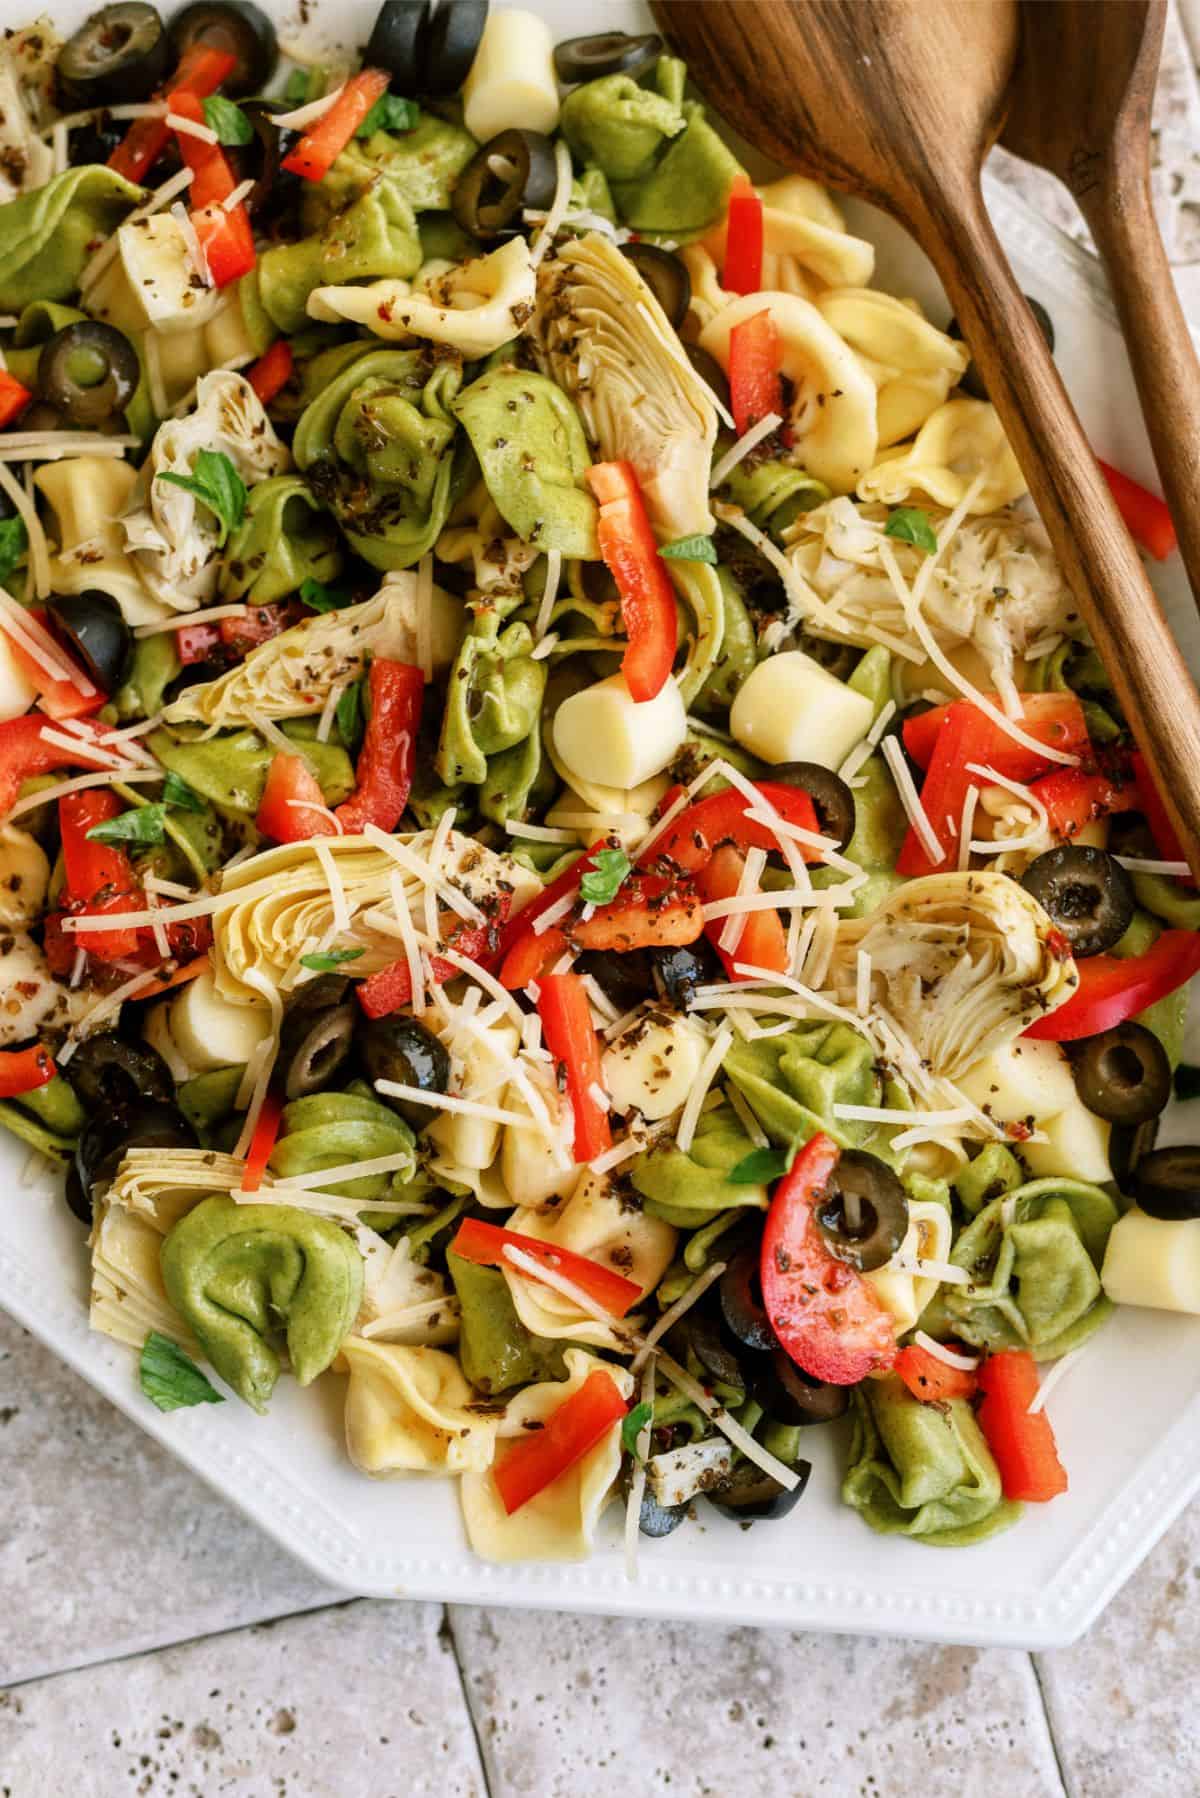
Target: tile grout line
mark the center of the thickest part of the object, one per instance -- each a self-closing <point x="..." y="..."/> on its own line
<point x="446" y="1629"/>
<point x="1063" y="1779"/>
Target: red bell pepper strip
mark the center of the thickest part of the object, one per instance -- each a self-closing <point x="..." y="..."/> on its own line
<point x="743" y="265"/>
<point x="530" y="957"/>
<point x="292" y="808"/>
<point x="262" y="1143"/>
<point x="13" y="399"/>
<point x="271" y="372"/>
<point x="196" y="642"/>
<point x="721" y="818"/>
<point x="518" y="928"/>
<point x="390" y="989"/>
<point x="537" y="1460"/>
<point x="648" y="912"/>
<point x="1144" y="513"/>
<point x="225" y="235"/>
<point x="99" y="876"/>
<point x="202" y="69"/>
<point x="826" y="1316"/>
<point x="24" y="755"/>
<point x="161" y="982"/>
<point x="1021" y="1441"/>
<point x="485" y="1243"/>
<point x="571" y="1039"/>
<point x="1150" y="801"/>
<point x="1074" y="799"/>
<point x="319" y="149"/>
<point x="630" y="552"/>
<point x="1113" y="988"/>
<point x="755" y="387"/>
<point x="24" y="1070"/>
<point x="931" y="1380"/>
<point x="59" y="699"/>
<point x="763" y="942"/>
<point x="1056" y="719"/>
<point x="389" y="752"/>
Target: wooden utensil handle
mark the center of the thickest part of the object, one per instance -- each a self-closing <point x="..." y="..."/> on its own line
<point x="1095" y="550"/>
<point x="1165" y="365"/>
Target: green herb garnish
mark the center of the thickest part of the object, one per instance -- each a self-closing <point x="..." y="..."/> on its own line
<point x="601" y="884"/>
<point x="632" y="1425"/>
<point x="691" y="549"/>
<point x="13" y="544"/>
<point x="227" y="120"/>
<point x="390" y="113"/>
<point x="141" y="824"/>
<point x="909" y="524"/>
<point x="216" y="483"/>
<point x="348" y="713"/>
<point x="760" y="1167"/>
<point x="177" y="793"/>
<point x="329" y="959"/>
<point x="323" y="599"/>
<point x="170" y="1379"/>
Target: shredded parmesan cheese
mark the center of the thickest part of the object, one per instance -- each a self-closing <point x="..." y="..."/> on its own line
<point x="939" y="1351"/>
<point x="549" y="593"/>
<point x="918" y="817"/>
<point x="749" y="440"/>
<point x="558" y="205"/>
<point x="672" y="1315"/>
<point x="707" y="1073"/>
<point x="1059" y="1369"/>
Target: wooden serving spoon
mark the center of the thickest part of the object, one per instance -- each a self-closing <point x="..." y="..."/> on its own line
<point x="898" y="101"/>
<point x="1079" y="105"/>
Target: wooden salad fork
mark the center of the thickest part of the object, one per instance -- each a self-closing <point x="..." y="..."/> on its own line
<point x="898" y="101"/>
<point x="1079" y="106"/>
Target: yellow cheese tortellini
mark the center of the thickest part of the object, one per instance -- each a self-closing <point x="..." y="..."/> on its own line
<point x="958" y="446"/>
<point x="407" y="1411"/>
<point x="88" y="495"/>
<point x="913" y="364"/>
<point x="474" y="307"/>
<point x="928" y="1237"/>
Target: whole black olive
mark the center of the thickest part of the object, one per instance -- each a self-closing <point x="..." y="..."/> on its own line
<point x="741" y="1302"/>
<point x="78" y="1202"/>
<point x="681" y="969"/>
<point x="92" y="627"/>
<point x="109" y="1074"/>
<point x="149" y="1124"/>
<point x="95" y="142"/>
<point x="259" y="161"/>
<point x="398" y="1048"/>
<point x="514" y="170"/>
<point x="120" y="53"/>
<point x="236" y="26"/>
<point x="1085" y="892"/>
<point x="624" y="979"/>
<point x="972" y="382"/>
<point x="832" y="799"/>
<point x="609" y="53"/>
<point x="314" y="1047"/>
<point x="748" y="1495"/>
<point x="863" y="1213"/>
<point x="710" y="372"/>
<point x="702" y="1335"/>
<point x="397" y="42"/>
<point x="451" y="41"/>
<point x="1166" y="1183"/>
<point x="789" y="1396"/>
<point x="1128" y="1147"/>
<point x="666" y="275"/>
<point x="659" y="1520"/>
<point x="1123" y="1074"/>
<point x="89" y="372"/>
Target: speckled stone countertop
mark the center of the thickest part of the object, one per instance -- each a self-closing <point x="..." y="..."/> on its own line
<point x="153" y="1642"/>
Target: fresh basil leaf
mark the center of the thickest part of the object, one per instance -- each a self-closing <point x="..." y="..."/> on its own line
<point x="691" y="549"/>
<point x="177" y="793"/>
<point x="601" y="884"/>
<point x="296" y="91"/>
<point x="349" y="715"/>
<point x="216" y="483"/>
<point x="1187" y="1081"/>
<point x="323" y="599"/>
<point x="13" y="544"/>
<point x="170" y="1379"/>
<point x="141" y="824"/>
<point x="228" y="120"/>
<point x="632" y="1425"/>
<point x="390" y="113"/>
<point x="909" y="524"/>
<point x="330" y="959"/>
<point x="760" y="1167"/>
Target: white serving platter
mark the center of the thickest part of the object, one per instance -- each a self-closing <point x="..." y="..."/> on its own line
<point x="1127" y="1416"/>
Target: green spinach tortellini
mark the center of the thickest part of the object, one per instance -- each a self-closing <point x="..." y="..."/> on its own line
<point x="230" y="770"/>
<point x="690" y="1188"/>
<point x="619" y="127"/>
<point x="533" y="453"/>
<point x="792" y="1082"/>
<point x="376" y="236"/>
<point x="47" y="236"/>
<point x="377" y="447"/>
<point x="923" y="1470"/>
<point x="237" y="1274"/>
<point x="495" y="1349"/>
<point x="419" y="166"/>
<point x="493" y="698"/>
<point x="332" y="1129"/>
<point x="1034" y="1257"/>
<point x="738" y="655"/>
<point x="284" y="539"/>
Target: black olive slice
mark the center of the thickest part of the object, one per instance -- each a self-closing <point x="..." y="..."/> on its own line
<point x="1123" y="1074"/>
<point x="318" y="994"/>
<point x="710" y="372"/>
<point x="624" y="979"/>
<point x="450" y="45"/>
<point x="748" y="1495"/>
<point x="92" y="628"/>
<point x="741" y="1302"/>
<point x="608" y="53"/>
<point x="832" y="799"/>
<point x="315" y="1046"/>
<point x="790" y="1397"/>
<point x="95" y="142"/>
<point x="1166" y="1183"/>
<point x="108" y="1074"/>
<point x="236" y="26"/>
<point x="972" y="382"/>
<point x="666" y="275"/>
<point x="89" y="372"/>
<point x="514" y="170"/>
<point x="259" y="161"/>
<point x="397" y="42"/>
<point x="1128" y="1147"/>
<point x="120" y="53"/>
<point x="838" y="659"/>
<point x="400" y="1049"/>
<point x="1085" y="892"/>
<point x="149" y="1124"/>
<point x="703" y="1336"/>
<point x="863" y="1213"/>
<point x="79" y="1203"/>
<point x="680" y="970"/>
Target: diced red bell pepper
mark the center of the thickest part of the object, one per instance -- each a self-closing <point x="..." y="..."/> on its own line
<point x="1074" y="799"/>
<point x="755" y="386"/>
<point x="272" y="372"/>
<point x="99" y="876"/>
<point x="743" y="265"/>
<point x="388" y="755"/>
<point x="59" y="699"/>
<point x="24" y="1070"/>
<point x="227" y="239"/>
<point x="537" y="1460"/>
<point x="826" y="1316"/>
<point x="196" y="642"/>
<point x="226" y="236"/>
<point x="520" y="927"/>
<point x="13" y="399"/>
<point x="763" y="942"/>
<point x="159" y="981"/>
<point x="630" y="551"/>
<point x="931" y="1380"/>
<point x="648" y="912"/>
<point x="202" y="69"/>
<point x="319" y="149"/>
<point x="1056" y="719"/>
<point x="262" y="1143"/>
<point x="530" y="957"/>
<point x="1150" y="801"/>
<point x="571" y="1039"/>
<point x="292" y="808"/>
<point x="1113" y="988"/>
<point x="485" y="1243"/>
<point x="390" y="989"/>
<point x="24" y="755"/>
<point x="257" y="625"/>
<point x="1021" y="1441"/>
<point x="1144" y="513"/>
<point x="721" y="818"/>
